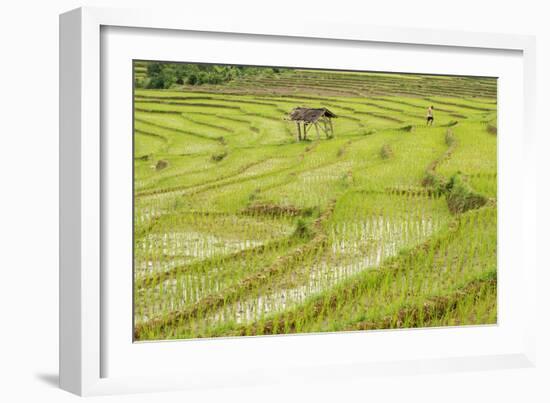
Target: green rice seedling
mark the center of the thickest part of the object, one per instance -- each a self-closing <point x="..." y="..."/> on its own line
<point x="241" y="230"/>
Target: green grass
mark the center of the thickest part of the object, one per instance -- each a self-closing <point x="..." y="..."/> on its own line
<point x="246" y="231"/>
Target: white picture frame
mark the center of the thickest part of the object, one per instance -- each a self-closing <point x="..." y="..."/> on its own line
<point x="83" y="309"/>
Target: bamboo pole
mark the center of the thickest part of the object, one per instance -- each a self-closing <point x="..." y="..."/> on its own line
<point x="325" y="127"/>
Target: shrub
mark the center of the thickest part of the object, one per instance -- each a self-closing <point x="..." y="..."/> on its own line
<point x="219" y="156"/>
<point x="450" y="138"/>
<point x="491" y="128"/>
<point x="192" y="79"/>
<point x="437" y="182"/>
<point x="303" y="228"/>
<point x="311" y="211"/>
<point x="461" y="197"/>
<point x="161" y="164"/>
<point x="386" y="152"/>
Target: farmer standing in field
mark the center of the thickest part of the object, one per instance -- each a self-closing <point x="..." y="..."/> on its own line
<point x="430" y="116"/>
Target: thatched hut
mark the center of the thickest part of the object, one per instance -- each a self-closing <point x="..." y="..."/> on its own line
<point x="321" y="118"/>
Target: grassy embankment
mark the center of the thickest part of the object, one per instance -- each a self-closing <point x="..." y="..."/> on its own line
<point x="242" y="230"/>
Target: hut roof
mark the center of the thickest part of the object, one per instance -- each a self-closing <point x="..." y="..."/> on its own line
<point x="310" y="115"/>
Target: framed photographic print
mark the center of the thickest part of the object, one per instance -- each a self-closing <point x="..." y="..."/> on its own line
<point x="290" y="202"/>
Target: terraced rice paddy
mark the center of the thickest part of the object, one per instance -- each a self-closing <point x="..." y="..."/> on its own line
<point x="241" y="229"/>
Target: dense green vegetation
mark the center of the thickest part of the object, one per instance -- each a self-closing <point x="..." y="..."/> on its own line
<point x="158" y="75"/>
<point x="240" y="229"/>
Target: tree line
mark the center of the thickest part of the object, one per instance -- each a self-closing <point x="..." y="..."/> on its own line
<point x="168" y="75"/>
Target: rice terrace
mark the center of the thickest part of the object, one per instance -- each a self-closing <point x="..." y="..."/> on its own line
<point x="278" y="201"/>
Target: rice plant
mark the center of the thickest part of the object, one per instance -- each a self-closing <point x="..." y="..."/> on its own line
<point x="240" y="229"/>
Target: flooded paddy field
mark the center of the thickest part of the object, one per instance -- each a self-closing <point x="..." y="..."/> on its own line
<point x="241" y="228"/>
